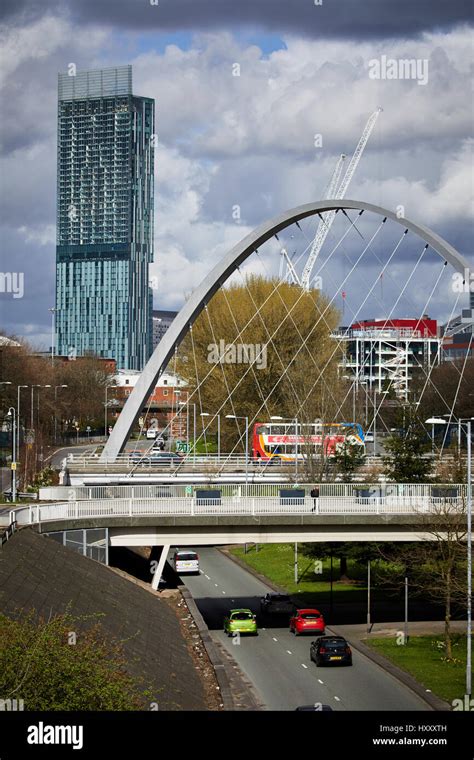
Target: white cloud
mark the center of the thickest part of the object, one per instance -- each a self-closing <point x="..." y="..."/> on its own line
<point x="246" y="140"/>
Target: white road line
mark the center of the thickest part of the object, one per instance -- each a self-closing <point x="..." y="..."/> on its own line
<point x="216" y="585"/>
<point x="207" y="577"/>
<point x="223" y="592"/>
<point x="288" y="651"/>
<point x="274" y="639"/>
<point x="304" y="666"/>
<point x="319" y="680"/>
<point x="337" y="698"/>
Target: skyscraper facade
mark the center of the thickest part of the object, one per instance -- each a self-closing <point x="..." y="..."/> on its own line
<point x="104" y="217"/>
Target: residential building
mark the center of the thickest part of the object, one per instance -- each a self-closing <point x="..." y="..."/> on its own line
<point x="161" y="322"/>
<point x="104" y="217"/>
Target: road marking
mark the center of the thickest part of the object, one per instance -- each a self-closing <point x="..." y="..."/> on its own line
<point x="288" y="651"/>
<point x="223" y="592"/>
<point x="304" y="666"/>
<point x="337" y="698"/>
<point x="320" y="680"/>
<point x="207" y="577"/>
<point x="274" y="639"/>
<point x="216" y="585"/>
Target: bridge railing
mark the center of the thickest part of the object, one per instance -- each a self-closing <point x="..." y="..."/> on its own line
<point x="234" y="506"/>
<point x="169" y="490"/>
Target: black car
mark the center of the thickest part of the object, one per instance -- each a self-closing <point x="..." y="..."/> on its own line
<point x="277" y="604"/>
<point x="331" y="650"/>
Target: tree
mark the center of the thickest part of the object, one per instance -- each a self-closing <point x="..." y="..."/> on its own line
<point x="358" y="551"/>
<point x="405" y="462"/>
<point x="288" y="334"/>
<point x="348" y="459"/>
<point x="42" y="665"/>
<point x="437" y="565"/>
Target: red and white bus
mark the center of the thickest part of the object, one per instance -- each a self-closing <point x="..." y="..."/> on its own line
<point x="279" y="440"/>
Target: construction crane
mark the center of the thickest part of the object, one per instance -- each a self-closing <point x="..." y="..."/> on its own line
<point x="327" y="219"/>
<point x="291" y="275"/>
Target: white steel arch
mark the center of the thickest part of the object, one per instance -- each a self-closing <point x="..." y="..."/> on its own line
<point x="218" y="276"/>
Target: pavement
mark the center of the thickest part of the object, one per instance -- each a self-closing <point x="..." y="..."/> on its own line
<point x="276" y="662"/>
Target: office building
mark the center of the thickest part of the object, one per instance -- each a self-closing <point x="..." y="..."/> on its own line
<point x="382" y="353"/>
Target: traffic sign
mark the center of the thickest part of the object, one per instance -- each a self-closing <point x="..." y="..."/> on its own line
<point x="13" y="465"/>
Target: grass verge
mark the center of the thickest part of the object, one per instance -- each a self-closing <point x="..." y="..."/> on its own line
<point x="423" y="657"/>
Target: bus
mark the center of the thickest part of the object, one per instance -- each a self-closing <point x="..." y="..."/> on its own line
<point x="272" y="440"/>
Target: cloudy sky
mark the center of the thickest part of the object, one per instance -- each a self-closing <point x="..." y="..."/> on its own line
<point x="247" y="140"/>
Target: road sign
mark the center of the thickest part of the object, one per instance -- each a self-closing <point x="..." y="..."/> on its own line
<point x="13" y="465"/>
<point x="88" y="429"/>
<point x="30" y="437"/>
<point x="189" y="490"/>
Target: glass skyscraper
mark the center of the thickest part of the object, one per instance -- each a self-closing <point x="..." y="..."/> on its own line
<point x="104" y="217"/>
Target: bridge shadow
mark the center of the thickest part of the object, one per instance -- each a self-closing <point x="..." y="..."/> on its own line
<point x="214" y="609"/>
<point x="136" y="563"/>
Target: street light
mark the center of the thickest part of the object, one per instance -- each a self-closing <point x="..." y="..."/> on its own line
<point x="11" y="413"/>
<point x="434" y="421"/>
<point x="53" y="341"/>
<point x="206" y="414"/>
<point x="237" y="417"/>
<point x="377" y="393"/>
<point x="468" y="420"/>
<point x="55" y="415"/>
<point x="32" y="404"/>
<point x="18" y="420"/>
<point x="105" y="407"/>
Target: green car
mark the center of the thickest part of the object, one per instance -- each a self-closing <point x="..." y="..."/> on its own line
<point x="240" y="621"/>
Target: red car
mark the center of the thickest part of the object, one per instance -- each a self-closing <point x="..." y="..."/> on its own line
<point x="307" y="621"/>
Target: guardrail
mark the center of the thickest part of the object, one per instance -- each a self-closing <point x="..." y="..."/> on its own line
<point x="173" y="490"/>
<point x="8" y="533"/>
<point x="234" y="506"/>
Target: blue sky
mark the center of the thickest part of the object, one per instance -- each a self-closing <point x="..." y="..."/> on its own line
<point x="246" y="141"/>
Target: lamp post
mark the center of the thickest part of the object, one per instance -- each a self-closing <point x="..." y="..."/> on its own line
<point x="55" y="415"/>
<point x="53" y="341"/>
<point x="469" y="557"/>
<point x="237" y="417"/>
<point x="18" y="420"/>
<point x="105" y="407"/>
<point x="11" y="413"/>
<point x="376" y="393"/>
<point x="434" y="421"/>
<point x="207" y="414"/>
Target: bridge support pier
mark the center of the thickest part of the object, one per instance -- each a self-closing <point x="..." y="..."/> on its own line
<point x="159" y="568"/>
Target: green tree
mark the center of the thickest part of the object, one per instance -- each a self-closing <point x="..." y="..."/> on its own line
<point x="296" y="376"/>
<point x="405" y="462"/>
<point x="347" y="459"/>
<point x="44" y="665"/>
